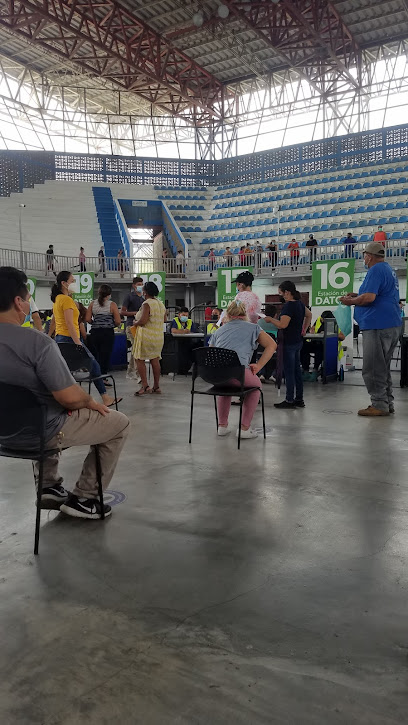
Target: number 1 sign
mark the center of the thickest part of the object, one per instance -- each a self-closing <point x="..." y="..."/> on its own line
<point x="330" y="281"/>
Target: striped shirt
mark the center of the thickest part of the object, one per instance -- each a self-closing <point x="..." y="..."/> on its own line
<point x="102" y="316"/>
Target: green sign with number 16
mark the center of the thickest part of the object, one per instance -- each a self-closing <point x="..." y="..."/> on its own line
<point x="331" y="280"/>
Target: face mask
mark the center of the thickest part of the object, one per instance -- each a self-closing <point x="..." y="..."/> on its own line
<point x="139" y="288"/>
<point x="214" y="318"/>
<point x="282" y="299"/>
<point x="366" y="266"/>
<point x="183" y="318"/>
<point x="72" y="287"/>
<point x="25" y="315"/>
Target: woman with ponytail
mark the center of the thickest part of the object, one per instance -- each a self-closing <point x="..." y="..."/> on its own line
<point x="103" y="316"/>
<point x="66" y="315"/>
<point x="294" y="317"/>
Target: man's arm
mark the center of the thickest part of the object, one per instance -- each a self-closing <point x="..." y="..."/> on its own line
<point x="364" y="300"/>
<point x="175" y="330"/>
<point x="75" y="398"/>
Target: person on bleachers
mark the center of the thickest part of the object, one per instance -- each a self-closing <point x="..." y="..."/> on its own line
<point x="243" y="337"/>
<point x="101" y="258"/>
<point x="250" y="299"/>
<point x="258" y="254"/>
<point x="380" y="236"/>
<point x="228" y="257"/>
<point x="294" y="254"/>
<point x="249" y="255"/>
<point x="312" y="246"/>
<point x="121" y="263"/>
<point x="241" y="256"/>
<point x="273" y="253"/>
<point x="32" y="360"/>
<point x="180" y="263"/>
<point x="349" y="243"/>
<point x="211" y="260"/>
<point x="50" y="259"/>
<point x="82" y="260"/>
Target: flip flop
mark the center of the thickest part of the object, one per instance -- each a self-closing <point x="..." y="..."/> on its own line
<point x="156" y="390"/>
<point x="142" y="391"/>
<point x="114" y="402"/>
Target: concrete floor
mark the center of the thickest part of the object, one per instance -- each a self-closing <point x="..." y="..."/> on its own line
<point x="242" y="588"/>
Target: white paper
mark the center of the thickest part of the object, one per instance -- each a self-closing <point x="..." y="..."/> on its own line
<point x="261" y="315"/>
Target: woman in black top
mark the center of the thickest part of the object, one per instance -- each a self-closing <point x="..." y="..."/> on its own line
<point x="293" y="319"/>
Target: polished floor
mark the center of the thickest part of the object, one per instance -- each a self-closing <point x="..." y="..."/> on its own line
<point x="256" y="587"/>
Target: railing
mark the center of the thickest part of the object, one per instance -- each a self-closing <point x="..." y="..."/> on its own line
<point x="265" y="264"/>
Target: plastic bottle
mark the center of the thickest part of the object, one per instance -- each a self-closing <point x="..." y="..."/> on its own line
<point x="341" y="374"/>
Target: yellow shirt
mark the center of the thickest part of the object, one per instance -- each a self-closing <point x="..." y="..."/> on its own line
<point x="62" y="303"/>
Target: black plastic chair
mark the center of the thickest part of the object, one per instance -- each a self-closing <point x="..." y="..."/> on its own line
<point x="77" y="360"/>
<point x="218" y="366"/>
<point x="23" y="414"/>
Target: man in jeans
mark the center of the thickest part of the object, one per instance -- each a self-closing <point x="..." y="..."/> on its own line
<point x="32" y="360"/>
<point x="378" y="314"/>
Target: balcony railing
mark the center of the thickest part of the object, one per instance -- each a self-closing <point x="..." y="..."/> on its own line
<point x="264" y="264"/>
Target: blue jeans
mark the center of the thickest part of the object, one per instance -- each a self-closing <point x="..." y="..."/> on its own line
<point x="95" y="369"/>
<point x="293" y="371"/>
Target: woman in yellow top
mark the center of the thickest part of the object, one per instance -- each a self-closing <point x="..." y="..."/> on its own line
<point x="66" y="315"/>
<point x="149" y="337"/>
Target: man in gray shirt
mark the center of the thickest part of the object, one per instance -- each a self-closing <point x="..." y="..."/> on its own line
<point x="32" y="360"/>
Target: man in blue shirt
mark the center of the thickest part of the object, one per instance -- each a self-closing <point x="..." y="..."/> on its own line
<point x="378" y="315"/>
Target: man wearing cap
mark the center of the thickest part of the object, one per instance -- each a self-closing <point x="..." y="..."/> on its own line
<point x="378" y="314"/>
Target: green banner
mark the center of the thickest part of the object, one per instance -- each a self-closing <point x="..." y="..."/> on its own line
<point x="331" y="280"/>
<point x="84" y="291"/>
<point x="159" y="278"/>
<point x="226" y="289"/>
<point x="32" y="286"/>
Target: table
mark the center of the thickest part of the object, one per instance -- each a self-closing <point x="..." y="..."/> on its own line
<point x="330" y="342"/>
<point x="173" y="352"/>
<point x="119" y="352"/>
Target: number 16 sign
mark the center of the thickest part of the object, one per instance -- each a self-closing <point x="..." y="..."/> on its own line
<point x="331" y="280"/>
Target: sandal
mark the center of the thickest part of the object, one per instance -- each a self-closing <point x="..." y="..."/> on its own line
<point x="114" y="402"/>
<point x="156" y="390"/>
<point x="142" y="391"/>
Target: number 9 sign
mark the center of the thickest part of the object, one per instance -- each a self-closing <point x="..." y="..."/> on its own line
<point x="84" y="283"/>
<point x="31" y="285"/>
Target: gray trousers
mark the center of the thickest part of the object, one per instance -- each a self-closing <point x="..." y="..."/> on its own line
<point x="378" y="347"/>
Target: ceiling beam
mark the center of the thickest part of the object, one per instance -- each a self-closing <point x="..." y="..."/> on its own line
<point x="109" y="41"/>
<point x="308" y="36"/>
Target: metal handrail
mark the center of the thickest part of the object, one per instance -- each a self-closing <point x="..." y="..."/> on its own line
<point x="263" y="263"/>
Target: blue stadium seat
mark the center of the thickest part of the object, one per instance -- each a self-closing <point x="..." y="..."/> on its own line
<point x="396" y="235"/>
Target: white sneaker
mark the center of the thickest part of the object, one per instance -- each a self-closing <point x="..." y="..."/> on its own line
<point x="222" y="431"/>
<point x="250" y="433"/>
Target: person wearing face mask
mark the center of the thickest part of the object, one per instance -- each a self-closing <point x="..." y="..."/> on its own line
<point x="250" y="299"/>
<point x="66" y="316"/>
<point x="378" y="316"/>
<point x="130" y="307"/>
<point x="103" y="316"/>
<point x="183" y="325"/>
<point x="32" y="360"/>
<point x="294" y="318"/>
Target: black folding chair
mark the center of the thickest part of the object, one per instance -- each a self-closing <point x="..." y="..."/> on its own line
<point x="78" y="360"/>
<point x="23" y="414"/>
<point x="218" y="366"/>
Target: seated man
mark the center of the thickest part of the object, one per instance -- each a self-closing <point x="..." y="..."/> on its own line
<point x="32" y="360"/>
<point x="183" y="325"/>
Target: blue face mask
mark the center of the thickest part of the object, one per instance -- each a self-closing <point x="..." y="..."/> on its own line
<point x="139" y="289"/>
<point x="183" y="318"/>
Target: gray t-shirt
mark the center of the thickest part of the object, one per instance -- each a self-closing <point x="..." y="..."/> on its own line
<point x="240" y="336"/>
<point x="32" y="360"/>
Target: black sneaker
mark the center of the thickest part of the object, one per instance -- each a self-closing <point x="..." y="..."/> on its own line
<point x="391" y="410"/>
<point x="89" y="508"/>
<point x="300" y="404"/>
<point x="286" y="405"/>
<point x="53" y="496"/>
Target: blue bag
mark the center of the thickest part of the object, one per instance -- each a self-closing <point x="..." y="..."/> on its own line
<point x="344" y="319"/>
